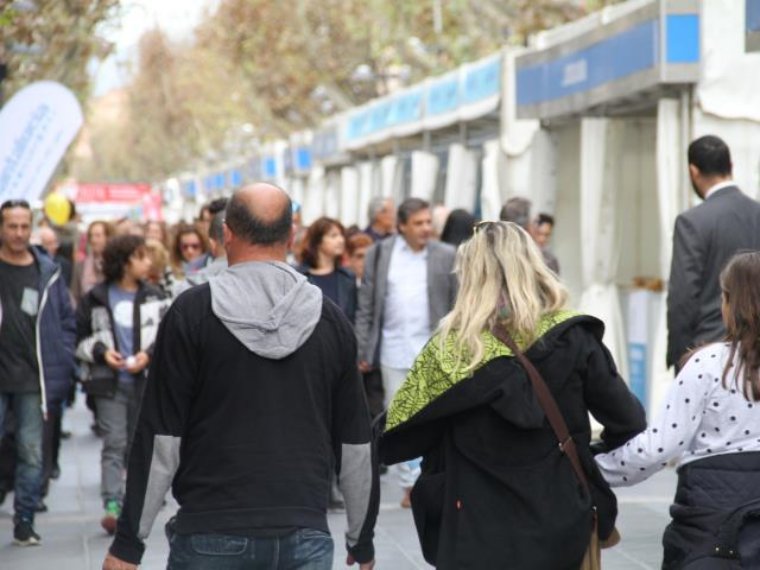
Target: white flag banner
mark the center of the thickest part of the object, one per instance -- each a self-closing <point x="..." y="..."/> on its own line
<point x="36" y="127"/>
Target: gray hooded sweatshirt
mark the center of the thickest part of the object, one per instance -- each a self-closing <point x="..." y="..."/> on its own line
<point x="280" y="311"/>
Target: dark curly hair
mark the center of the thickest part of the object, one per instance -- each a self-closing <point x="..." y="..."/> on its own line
<point x="117" y="253"/>
<point x="314" y="236"/>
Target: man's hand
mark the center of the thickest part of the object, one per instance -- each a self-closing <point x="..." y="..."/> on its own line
<point x="350" y="562"/>
<point x="113" y="563"/>
<point x="114" y="359"/>
<point x="141" y="360"/>
<point x="364" y="366"/>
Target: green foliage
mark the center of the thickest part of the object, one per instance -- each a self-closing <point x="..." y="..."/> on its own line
<point x="55" y="41"/>
<point x="285" y="66"/>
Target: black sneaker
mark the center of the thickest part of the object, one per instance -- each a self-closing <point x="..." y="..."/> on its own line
<point x="24" y="535"/>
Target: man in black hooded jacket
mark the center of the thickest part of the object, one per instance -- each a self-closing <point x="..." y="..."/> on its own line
<point x="253" y="398"/>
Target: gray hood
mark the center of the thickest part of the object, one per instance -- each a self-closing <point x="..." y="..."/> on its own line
<point x="269" y="307"/>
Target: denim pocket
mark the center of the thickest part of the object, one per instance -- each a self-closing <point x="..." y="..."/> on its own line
<point x="218" y="545"/>
<point x="314" y="546"/>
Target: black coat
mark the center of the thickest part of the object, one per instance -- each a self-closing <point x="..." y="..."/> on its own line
<point x="716" y="515"/>
<point x="347" y="290"/>
<point x="495" y="491"/>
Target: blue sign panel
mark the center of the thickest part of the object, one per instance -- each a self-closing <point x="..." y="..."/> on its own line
<point x="303" y="158"/>
<point x="406" y="108"/>
<point x="325" y="143"/>
<point x="613" y="58"/>
<point x="753" y="15"/>
<point x="483" y="81"/>
<point x="219" y="180"/>
<point x="379" y="116"/>
<point x="270" y="167"/>
<point x="442" y="96"/>
<point x="190" y="189"/>
<point x="358" y="125"/>
<point x="234" y="178"/>
<point x="682" y="40"/>
<point x="637" y="363"/>
<point x="208" y="183"/>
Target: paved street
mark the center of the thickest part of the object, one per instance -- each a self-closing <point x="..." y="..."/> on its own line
<point x="73" y="540"/>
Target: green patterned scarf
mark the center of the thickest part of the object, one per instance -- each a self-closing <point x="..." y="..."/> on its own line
<point x="437" y="369"/>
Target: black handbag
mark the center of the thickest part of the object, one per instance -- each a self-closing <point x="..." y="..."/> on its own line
<point x="100" y="380"/>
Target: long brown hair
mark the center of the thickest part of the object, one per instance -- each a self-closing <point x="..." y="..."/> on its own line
<point x="314" y="236"/>
<point x="740" y="281"/>
<point x="183" y="230"/>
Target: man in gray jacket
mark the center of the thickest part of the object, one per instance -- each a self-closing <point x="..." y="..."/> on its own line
<point x="705" y="238"/>
<point x="408" y="287"/>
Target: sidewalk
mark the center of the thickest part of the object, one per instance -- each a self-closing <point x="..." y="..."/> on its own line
<point x="73" y="540"/>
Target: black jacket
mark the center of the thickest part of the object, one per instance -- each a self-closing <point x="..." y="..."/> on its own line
<point x="495" y="491"/>
<point x="347" y="290"/>
<point x="248" y="443"/>
<point x="96" y="333"/>
<point x="716" y="515"/>
<point x="704" y="240"/>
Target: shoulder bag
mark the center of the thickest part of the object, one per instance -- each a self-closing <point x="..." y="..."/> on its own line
<point x="593" y="559"/>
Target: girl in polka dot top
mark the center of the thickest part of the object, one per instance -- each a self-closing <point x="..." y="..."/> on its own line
<point x="710" y="425"/>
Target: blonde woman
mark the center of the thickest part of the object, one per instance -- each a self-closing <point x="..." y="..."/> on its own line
<point x="496" y="491"/>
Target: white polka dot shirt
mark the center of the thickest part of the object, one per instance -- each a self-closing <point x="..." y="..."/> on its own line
<point x="700" y="418"/>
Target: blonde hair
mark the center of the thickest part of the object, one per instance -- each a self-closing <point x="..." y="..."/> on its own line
<point x="502" y="278"/>
<point x="159" y="257"/>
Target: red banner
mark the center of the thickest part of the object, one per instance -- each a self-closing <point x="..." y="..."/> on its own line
<point x="122" y="193"/>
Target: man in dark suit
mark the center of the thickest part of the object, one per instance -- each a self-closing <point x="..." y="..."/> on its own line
<point x="705" y="238"/>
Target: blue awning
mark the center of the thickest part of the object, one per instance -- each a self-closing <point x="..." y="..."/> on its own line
<point x="619" y="59"/>
<point x="753" y="25"/>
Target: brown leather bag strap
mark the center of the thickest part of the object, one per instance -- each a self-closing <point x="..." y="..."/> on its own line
<point x="549" y="405"/>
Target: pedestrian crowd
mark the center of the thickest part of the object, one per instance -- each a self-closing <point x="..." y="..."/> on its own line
<point x="265" y="372"/>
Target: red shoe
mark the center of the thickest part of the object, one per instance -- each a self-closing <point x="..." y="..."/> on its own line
<point x="108" y="522"/>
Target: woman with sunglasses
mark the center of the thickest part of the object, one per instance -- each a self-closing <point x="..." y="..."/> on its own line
<point x="496" y="491"/>
<point x="188" y="251"/>
<point x="710" y="425"/>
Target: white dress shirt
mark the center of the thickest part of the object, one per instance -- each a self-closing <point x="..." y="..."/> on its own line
<point x="406" y="319"/>
<point x="700" y="418"/>
<point x="719" y="186"/>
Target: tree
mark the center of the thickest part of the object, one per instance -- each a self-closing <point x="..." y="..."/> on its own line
<point x="285" y="66"/>
<point x="54" y="39"/>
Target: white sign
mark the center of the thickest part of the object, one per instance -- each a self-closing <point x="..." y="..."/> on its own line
<point x="36" y="127"/>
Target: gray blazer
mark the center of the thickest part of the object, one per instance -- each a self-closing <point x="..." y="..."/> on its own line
<point x="704" y="240"/>
<point x="441" y="286"/>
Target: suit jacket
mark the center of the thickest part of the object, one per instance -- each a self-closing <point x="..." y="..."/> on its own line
<point x="441" y="286"/>
<point x="704" y="240"/>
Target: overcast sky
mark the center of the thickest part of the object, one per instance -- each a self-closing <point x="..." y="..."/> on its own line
<point x="176" y="17"/>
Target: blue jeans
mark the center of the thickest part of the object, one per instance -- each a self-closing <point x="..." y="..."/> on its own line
<point x="304" y="549"/>
<point x="29" y="427"/>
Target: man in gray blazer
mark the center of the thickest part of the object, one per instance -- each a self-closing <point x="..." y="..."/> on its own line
<point x="705" y="238"/>
<point x="408" y="287"/>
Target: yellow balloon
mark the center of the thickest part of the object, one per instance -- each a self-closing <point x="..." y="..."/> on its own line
<point x="57" y="208"/>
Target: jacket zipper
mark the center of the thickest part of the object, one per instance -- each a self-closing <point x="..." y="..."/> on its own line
<point x="38" y="344"/>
